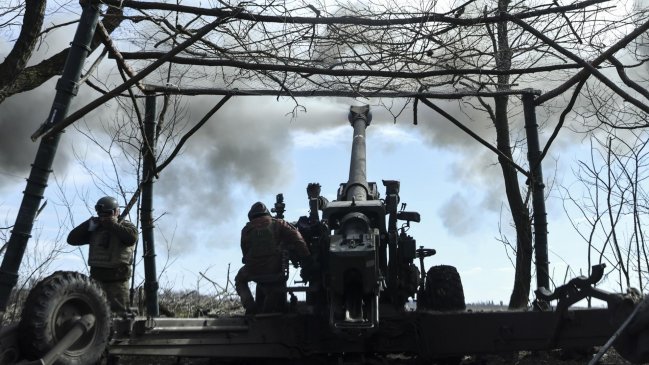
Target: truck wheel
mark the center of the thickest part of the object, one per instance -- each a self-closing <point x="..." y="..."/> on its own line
<point x="52" y="306"/>
<point x="443" y="290"/>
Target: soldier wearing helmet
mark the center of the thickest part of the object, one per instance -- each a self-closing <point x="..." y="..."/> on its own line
<point x="262" y="241"/>
<point x="110" y="254"/>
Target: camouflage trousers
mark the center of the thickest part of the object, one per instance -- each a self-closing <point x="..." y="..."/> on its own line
<point x="270" y="293"/>
<point x="117" y="293"/>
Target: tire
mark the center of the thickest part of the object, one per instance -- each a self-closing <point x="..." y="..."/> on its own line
<point x="9" y="350"/>
<point x="443" y="290"/>
<point x="49" y="310"/>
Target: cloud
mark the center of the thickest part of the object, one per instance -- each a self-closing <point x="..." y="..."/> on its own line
<point x="458" y="215"/>
<point x="240" y="152"/>
<point x="324" y="138"/>
<point x="440" y="132"/>
<point x="21" y="114"/>
<point x="243" y="148"/>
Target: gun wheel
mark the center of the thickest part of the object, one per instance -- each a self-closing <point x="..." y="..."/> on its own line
<point x="51" y="308"/>
<point x="443" y="290"/>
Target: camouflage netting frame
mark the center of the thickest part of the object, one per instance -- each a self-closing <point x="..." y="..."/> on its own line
<point x="375" y="50"/>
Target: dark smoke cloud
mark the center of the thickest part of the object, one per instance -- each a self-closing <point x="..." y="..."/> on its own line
<point x="21" y="114"/>
<point x="243" y="149"/>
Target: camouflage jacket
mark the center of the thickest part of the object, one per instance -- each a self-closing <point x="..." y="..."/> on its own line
<point x="263" y="239"/>
<point x="111" y="243"/>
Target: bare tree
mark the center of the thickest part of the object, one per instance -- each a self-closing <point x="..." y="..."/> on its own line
<point x="613" y="209"/>
<point x="611" y="199"/>
<point x="16" y="60"/>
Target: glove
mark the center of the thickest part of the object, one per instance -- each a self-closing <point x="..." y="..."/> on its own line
<point x="108" y="221"/>
<point x="93" y="223"/>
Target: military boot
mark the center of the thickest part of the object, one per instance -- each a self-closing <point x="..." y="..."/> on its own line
<point x="248" y="302"/>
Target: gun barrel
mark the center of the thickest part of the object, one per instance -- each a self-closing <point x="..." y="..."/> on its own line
<point x="360" y="118"/>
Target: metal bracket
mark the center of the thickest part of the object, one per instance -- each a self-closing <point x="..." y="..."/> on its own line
<point x="578" y="289"/>
<point x="571" y="293"/>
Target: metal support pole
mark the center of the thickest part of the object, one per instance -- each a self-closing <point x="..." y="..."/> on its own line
<point x="538" y="198"/>
<point x="148" y="173"/>
<point x="66" y="89"/>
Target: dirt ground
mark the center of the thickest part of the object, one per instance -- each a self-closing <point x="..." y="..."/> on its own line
<point x="546" y="358"/>
<point x="522" y="358"/>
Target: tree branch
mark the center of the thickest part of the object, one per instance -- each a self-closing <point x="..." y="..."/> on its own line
<point x="474" y="136"/>
<point x="596" y="62"/>
<point x="625" y="78"/>
<point x="339" y="72"/>
<point x="33" y="76"/>
<point x="343" y="20"/>
<point x="194" y="129"/>
<point x="22" y="50"/>
<point x="140" y="76"/>
<point x="587" y="66"/>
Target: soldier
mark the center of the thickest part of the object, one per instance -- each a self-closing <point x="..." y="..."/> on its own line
<point x="262" y="241"/>
<point x="110" y="253"/>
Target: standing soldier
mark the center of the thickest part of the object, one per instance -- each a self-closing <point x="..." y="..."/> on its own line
<point x="110" y="253"/>
<point x="262" y="241"/>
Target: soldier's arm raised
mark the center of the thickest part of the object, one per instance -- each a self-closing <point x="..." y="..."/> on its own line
<point x="293" y="239"/>
<point x="80" y="235"/>
<point x="125" y="231"/>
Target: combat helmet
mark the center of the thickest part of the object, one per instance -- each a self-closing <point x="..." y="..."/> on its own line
<point x="107" y="204"/>
<point x="257" y="210"/>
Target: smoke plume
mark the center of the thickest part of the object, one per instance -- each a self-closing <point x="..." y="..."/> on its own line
<point x="240" y="154"/>
<point x="21" y="114"/>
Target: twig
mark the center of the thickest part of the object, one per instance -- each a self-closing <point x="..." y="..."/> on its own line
<point x="342" y="20"/>
<point x="227" y="279"/>
<point x="38" y="212"/>
<point x="211" y="281"/>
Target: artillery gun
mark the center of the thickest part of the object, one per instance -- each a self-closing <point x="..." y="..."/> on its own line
<point x="365" y="260"/>
<point x="354" y="307"/>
